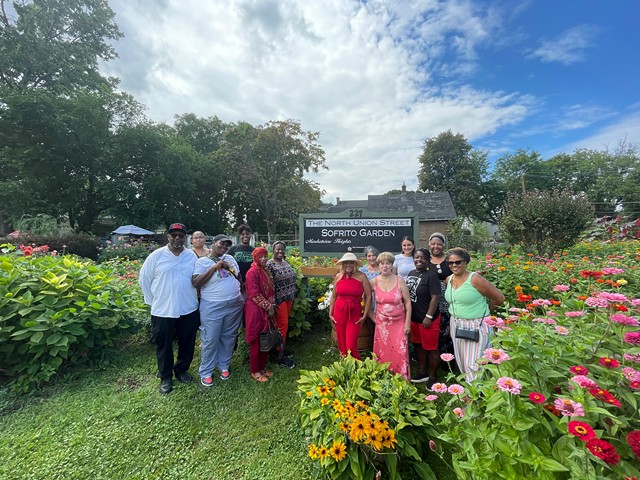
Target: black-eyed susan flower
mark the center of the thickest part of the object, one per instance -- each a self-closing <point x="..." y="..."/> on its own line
<point x="338" y="450"/>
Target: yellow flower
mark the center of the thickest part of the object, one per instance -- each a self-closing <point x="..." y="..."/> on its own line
<point x="535" y="288"/>
<point x="622" y="281"/>
<point x="518" y="289"/>
<point x="337" y="406"/>
<point x="323" y="452"/>
<point x="309" y="394"/>
<point x="358" y="430"/>
<point x="344" y="427"/>
<point x="321" y="299"/>
<point x="313" y="451"/>
<point x="324" y="401"/>
<point x="338" y="450"/>
<point x="375" y="441"/>
<point x="323" y="390"/>
<point x="526" y="267"/>
<point x="361" y="404"/>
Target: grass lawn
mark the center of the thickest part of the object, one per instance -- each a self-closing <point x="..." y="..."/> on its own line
<point x="110" y="422"/>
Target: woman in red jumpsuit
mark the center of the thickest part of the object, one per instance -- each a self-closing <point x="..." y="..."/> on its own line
<point x="350" y="286"/>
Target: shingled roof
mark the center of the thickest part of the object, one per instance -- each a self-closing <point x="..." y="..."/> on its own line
<point x="430" y="206"/>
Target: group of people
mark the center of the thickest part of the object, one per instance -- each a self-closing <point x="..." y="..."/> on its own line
<point x="215" y="290"/>
<point x="421" y="294"/>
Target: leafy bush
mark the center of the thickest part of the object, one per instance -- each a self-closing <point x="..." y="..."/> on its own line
<point x="545" y="222"/>
<point x="79" y="244"/>
<point x="56" y="309"/>
<point x="135" y="250"/>
<point x="361" y="419"/>
<point x="42" y="224"/>
<point x="569" y="315"/>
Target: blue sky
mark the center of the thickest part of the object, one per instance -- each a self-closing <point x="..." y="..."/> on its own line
<point x="378" y="77"/>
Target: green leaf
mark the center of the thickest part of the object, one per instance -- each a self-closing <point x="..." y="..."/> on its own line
<point x="424" y="471"/>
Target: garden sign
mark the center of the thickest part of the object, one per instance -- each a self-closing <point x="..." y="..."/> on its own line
<point x="333" y="234"/>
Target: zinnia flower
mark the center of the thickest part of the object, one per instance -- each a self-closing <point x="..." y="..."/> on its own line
<point x="581" y="430"/>
<point x="609" y="362"/>
<point x="577" y="313"/>
<point x="603" y="450"/>
<point x="536" y="397"/>
<point x="459" y="412"/>
<point x="431" y="398"/>
<point x="569" y="408"/>
<point x="561" y="288"/>
<point x="633" y="439"/>
<point x="584" y="381"/>
<point x="633" y="357"/>
<point x="447" y="357"/>
<point x="562" y="330"/>
<point x="596" y="302"/>
<point x="632" y="338"/>
<point x="439" y="387"/>
<point x="631" y="374"/>
<point x="605" y="396"/>
<point x="456" y="389"/>
<point x="622" y="319"/>
<point x="511" y="385"/>
<point x="495" y="355"/>
<point x="579" y="370"/>
<point x="613" y="297"/>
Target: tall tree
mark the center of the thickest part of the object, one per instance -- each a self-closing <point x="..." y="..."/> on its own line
<point x="449" y="163"/>
<point x="268" y="164"/>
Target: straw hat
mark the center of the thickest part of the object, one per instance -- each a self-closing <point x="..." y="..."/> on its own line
<point x="349" y="257"/>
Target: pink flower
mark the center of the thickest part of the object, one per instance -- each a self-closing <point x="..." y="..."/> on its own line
<point x="612" y="271"/>
<point x="447" y="357"/>
<point x="562" y="330"/>
<point x="622" y="319"/>
<point x="596" y="302"/>
<point x="584" y="381"/>
<point x="632" y="338"/>
<point x="613" y="297"/>
<point x="459" y="412"/>
<point x="635" y="302"/>
<point x="539" y="302"/>
<point x="511" y="385"/>
<point x="561" y="288"/>
<point x="579" y="370"/>
<point x="569" y="408"/>
<point x="632" y="357"/>
<point x="495" y="355"/>
<point x="539" y="319"/>
<point x="456" y="389"/>
<point x="439" y="387"/>
<point x="537" y="397"/>
<point x="577" y="313"/>
<point x="433" y="446"/>
<point x="431" y="398"/>
<point x="631" y="374"/>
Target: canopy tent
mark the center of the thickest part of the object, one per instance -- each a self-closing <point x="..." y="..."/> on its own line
<point x="131" y="230"/>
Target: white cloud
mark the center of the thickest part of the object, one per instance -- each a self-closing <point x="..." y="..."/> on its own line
<point x="360" y="73"/>
<point x="567" y="48"/>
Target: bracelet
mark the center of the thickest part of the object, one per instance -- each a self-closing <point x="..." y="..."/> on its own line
<point x="430" y="317"/>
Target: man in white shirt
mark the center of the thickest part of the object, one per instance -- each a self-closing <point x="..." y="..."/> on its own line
<point x="165" y="279"/>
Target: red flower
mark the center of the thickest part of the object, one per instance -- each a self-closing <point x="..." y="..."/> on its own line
<point x="603" y="450"/>
<point x="633" y="439"/>
<point x="605" y="396"/>
<point x="536" y="397"/>
<point x="590" y="274"/>
<point x="524" y="298"/>
<point x="579" y="370"/>
<point x="551" y="408"/>
<point x="634" y="385"/>
<point x="555" y="302"/>
<point x="620" y="308"/>
<point x="609" y="362"/>
<point x="581" y="430"/>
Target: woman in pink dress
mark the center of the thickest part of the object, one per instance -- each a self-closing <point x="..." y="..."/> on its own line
<point x="393" y="317"/>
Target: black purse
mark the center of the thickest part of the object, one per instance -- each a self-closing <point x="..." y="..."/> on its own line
<point x="468" y="334"/>
<point x="270" y="338"/>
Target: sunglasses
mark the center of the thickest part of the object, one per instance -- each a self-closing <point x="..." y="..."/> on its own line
<point x="179" y="235"/>
<point x="457" y="262"/>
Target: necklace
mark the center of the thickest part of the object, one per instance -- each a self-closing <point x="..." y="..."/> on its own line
<point x="464" y="279"/>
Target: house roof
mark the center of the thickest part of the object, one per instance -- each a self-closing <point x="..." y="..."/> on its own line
<point x="430" y="205"/>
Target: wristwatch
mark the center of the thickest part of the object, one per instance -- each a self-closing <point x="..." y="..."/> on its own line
<point x="430" y="317"/>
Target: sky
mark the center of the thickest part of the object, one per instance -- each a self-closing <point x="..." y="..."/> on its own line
<point x="377" y="78"/>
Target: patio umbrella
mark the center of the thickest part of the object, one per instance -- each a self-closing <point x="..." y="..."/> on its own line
<point x="131" y="230"/>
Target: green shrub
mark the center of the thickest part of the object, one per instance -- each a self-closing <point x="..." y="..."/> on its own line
<point x="545" y="222"/>
<point x="135" y="250"/>
<point x="360" y="419"/>
<point x="80" y="244"/>
<point x="56" y="309"/>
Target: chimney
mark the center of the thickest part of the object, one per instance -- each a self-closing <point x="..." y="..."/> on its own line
<point x="404" y="187"/>
<point x="337" y="200"/>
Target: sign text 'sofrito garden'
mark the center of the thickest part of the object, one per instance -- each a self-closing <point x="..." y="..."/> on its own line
<point x="353" y="230"/>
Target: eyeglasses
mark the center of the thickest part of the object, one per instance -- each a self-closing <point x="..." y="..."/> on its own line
<point x="179" y="235"/>
<point x="457" y="262"/>
<point x="197" y="238"/>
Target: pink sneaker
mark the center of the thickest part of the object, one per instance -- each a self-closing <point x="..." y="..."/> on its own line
<point x="207" y="381"/>
<point x="224" y="375"/>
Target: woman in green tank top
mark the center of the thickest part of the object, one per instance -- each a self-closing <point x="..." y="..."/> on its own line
<point x="467" y="294"/>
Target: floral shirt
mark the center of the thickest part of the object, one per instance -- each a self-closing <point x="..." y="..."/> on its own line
<point x="284" y="278"/>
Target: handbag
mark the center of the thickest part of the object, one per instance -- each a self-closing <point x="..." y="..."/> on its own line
<point x="270" y="338"/>
<point x="468" y="334"/>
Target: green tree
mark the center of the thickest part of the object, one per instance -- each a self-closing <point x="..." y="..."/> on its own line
<point x="449" y="163"/>
<point x="545" y="222"/>
<point x="268" y="164"/>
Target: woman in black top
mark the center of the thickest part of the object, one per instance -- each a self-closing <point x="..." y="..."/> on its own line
<point x="424" y="292"/>
<point x="440" y="265"/>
